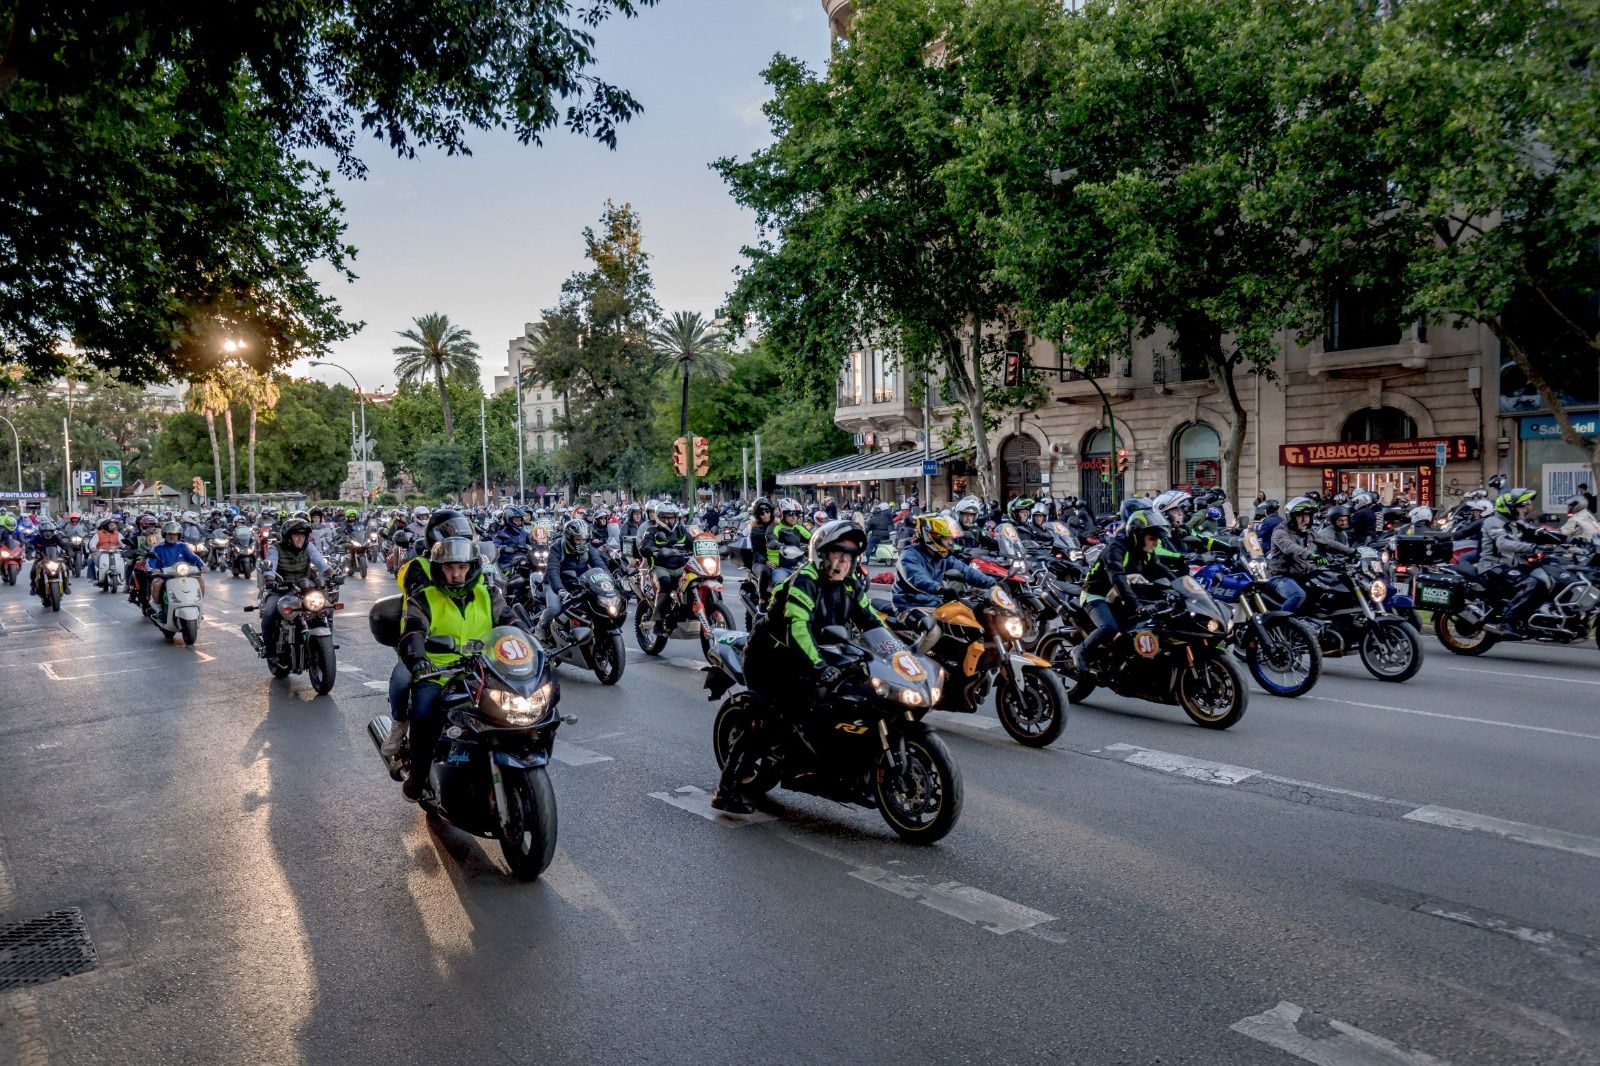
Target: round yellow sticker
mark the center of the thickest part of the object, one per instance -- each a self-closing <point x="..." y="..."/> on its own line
<point x="1146" y="644"/>
<point x="905" y="664"/>
<point x="513" y="651"/>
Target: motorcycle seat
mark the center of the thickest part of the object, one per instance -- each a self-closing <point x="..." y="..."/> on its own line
<point x="1466" y="570"/>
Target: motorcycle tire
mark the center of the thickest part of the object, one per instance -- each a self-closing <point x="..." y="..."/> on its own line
<point x="922" y="804"/>
<point x="1038" y="717"/>
<point x="53" y="599"/>
<point x="77" y="570"/>
<point x="734" y="717"/>
<point x="167" y="635"/>
<point x="1385" y="639"/>
<point x="1055" y="648"/>
<point x="322" y="664"/>
<point x="190" y="628"/>
<point x="529" y="841"/>
<point x="1447" y="629"/>
<point x="1296" y="642"/>
<point x="717" y="618"/>
<point x="1205" y="708"/>
<point x="361" y="567"/>
<point x="647" y="644"/>
<point x="610" y="658"/>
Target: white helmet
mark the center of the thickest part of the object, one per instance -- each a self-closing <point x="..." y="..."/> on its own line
<point x="1480" y="505"/>
<point x="968" y="505"/>
<point x="789" y="505"/>
<point x="1170" y="499"/>
<point x="1421" y="516"/>
<point x="665" y="511"/>
<point x="419" y="514"/>
<point x="1040" y="508"/>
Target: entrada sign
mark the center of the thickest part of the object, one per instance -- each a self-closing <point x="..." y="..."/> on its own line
<point x="1354" y="452"/>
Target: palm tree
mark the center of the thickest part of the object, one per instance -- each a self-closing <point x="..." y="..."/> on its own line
<point x="696" y="346"/>
<point x="206" y="396"/>
<point x="260" y="392"/>
<point x="231" y="378"/>
<point x="438" y="350"/>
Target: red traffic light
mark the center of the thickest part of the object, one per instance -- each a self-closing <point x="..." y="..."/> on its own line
<point x="680" y="455"/>
<point x="702" y="457"/>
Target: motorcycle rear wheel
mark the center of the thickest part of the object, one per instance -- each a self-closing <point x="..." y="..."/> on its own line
<point x="529" y="841"/>
<point x="923" y="801"/>
<point x="1391" y="651"/>
<point x="1038" y="717"/>
<point x="1296" y="657"/>
<point x="734" y="719"/>
<point x="1056" y="648"/>
<point x="1447" y="630"/>
<point x="650" y="645"/>
<point x="1213" y="692"/>
<point x="322" y="665"/>
<point x="190" y="628"/>
<point x="610" y="657"/>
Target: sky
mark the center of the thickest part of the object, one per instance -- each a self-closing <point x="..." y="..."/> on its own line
<point x="488" y="239"/>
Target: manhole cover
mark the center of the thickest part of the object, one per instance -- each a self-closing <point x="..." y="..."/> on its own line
<point x="41" y="949"/>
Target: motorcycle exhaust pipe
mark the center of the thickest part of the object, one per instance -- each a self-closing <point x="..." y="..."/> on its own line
<point x="253" y="637"/>
<point x="378" y="729"/>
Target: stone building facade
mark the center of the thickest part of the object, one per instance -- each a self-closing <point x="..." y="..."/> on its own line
<point x="541" y="404"/>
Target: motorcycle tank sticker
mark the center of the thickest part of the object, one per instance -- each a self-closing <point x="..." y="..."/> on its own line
<point x="1146" y="644"/>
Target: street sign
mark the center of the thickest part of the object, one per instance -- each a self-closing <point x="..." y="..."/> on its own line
<point x="1438" y="454"/>
<point x="539" y="491"/>
<point x="86" y="480"/>
<point x="111" y="473"/>
<point x="24" y="495"/>
<point x="930" y="467"/>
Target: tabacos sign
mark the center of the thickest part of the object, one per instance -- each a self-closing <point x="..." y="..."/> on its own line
<point x="1357" y="452"/>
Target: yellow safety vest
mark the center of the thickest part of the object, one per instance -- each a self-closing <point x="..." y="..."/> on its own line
<point x="448" y="619"/>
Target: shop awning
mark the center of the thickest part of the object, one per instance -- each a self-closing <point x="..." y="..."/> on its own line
<point x="873" y="466"/>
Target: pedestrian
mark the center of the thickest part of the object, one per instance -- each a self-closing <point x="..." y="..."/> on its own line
<point x="1583" y="490"/>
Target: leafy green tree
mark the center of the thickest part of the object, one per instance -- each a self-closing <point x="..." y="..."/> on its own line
<point x="107" y="419"/>
<point x="438" y="350"/>
<point x="258" y="392"/>
<point x="441" y="467"/>
<point x="154" y="158"/>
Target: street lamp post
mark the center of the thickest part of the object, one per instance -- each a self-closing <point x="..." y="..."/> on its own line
<point x="366" y="445"/>
<point x="17" y="442"/>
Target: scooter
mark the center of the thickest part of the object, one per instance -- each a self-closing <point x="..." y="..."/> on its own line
<point x="108" y="566"/>
<point x="179" y="609"/>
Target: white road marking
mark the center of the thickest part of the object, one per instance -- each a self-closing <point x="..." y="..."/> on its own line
<point x="1508" y="673"/>
<point x="381" y="685"/>
<point x="1458" y="717"/>
<point x="1337" y="791"/>
<point x="1210" y="773"/>
<point x="50" y="671"/>
<point x="1327" y="1041"/>
<point x="1522" y="832"/>
<point x="698" y="802"/>
<point x="573" y="755"/>
<point x="972" y="905"/>
<point x="948" y="719"/>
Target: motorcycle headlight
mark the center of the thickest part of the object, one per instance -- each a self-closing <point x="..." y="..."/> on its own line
<point x="612" y="605"/>
<point x="1378" y="590"/>
<point x="514" y="709"/>
<point x="1212" y="625"/>
<point x="713" y="565"/>
<point x="183" y="569"/>
<point x="911" y="697"/>
<point x="76" y="541"/>
<point x="1012" y="627"/>
<point x="315" y="600"/>
<point x="52" y="566"/>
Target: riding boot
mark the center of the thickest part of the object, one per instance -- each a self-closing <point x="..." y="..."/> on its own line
<point x="728" y="796"/>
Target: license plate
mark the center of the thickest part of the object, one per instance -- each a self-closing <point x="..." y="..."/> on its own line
<point x="1437" y="596"/>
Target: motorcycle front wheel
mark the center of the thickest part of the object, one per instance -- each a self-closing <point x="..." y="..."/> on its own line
<point x="610" y="656"/>
<point x="1391" y="650"/>
<point x="716" y="618"/>
<point x="649" y="644"/>
<point x="321" y="664"/>
<point x="1448" y="628"/>
<point x="1288" y="662"/>
<point x="528" y="835"/>
<point x="190" y="628"/>
<point x="921" y="800"/>
<point x="1213" y="692"/>
<point x="53" y="599"/>
<point x="361" y="567"/>
<point x="1034" y="716"/>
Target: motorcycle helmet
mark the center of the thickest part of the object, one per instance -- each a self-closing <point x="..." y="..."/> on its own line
<point x="169" y="531"/>
<point x="1508" y="502"/>
<point x="351" y="514"/>
<point x="1172" y="498"/>
<point x="47" y="528"/>
<point x="455" y="550"/>
<point x="667" y="516"/>
<point x="1362" y="499"/>
<point x="290" y="528"/>
<point x="935" y="533"/>
<point x="1040" y="513"/>
<point x="787" y="508"/>
<point x="110" y="525"/>
<point x="1216" y="514"/>
<point x="1421" y="516"/>
<point x="1302" y="505"/>
<point x="1270" y="506"/>
<point x="447" y="523"/>
<point x="1576" y="504"/>
<point x="575" y="534"/>
<point x="762" y="504"/>
<point x="514" y="517"/>
<point x="967" y="510"/>
<point x="419" y="514"/>
<point x="1143" y="522"/>
<point x="9" y="521"/>
<point x="75" y="516"/>
<point x="1338" y="511"/>
<point x="1019" y="507"/>
<point x="839" y="535"/>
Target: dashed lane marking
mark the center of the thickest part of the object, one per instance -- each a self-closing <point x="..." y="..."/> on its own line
<point x="972" y="905"/>
<point x="381" y="685"/>
<point x="1211" y="773"/>
<point x="1508" y="673"/>
<point x="957" y="720"/>
<point x="1326" y="1041"/>
<point x="1460" y="717"/>
<point x="698" y="802"/>
<point x="573" y="755"/>
<point x="1521" y="832"/>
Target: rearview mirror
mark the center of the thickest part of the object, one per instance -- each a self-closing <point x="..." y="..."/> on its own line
<point x="440" y="645"/>
<point x="835" y="635"/>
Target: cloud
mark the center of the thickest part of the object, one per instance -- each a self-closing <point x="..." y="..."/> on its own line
<point x="747" y="106"/>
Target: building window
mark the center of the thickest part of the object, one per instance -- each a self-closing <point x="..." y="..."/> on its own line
<point x="882" y="376"/>
<point x="1379" y="423"/>
<point x="1362" y="319"/>
<point x="1196" y="457"/>
<point x="852" y="388"/>
<point x="538" y="419"/>
<point x="539" y="443"/>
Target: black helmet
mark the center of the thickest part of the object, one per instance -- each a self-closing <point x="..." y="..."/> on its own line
<point x="293" y="526"/>
<point x="1142" y="521"/>
<point x="838" y="535"/>
<point x="514" y="514"/>
<point x="455" y="550"/>
<point x="1270" y="506"/>
<point x="575" y="533"/>
<point x="446" y="523"/>
<point x="1338" y="510"/>
<point x="761" y="504"/>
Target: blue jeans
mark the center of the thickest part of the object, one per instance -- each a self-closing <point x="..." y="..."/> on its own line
<point x="426" y="725"/>
<point x="1106" y="626"/>
<point x="1289" y="591"/>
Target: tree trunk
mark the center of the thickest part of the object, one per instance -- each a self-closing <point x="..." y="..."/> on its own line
<point x="444" y="402"/>
<point x="683" y="431"/>
<point x="216" y="455"/>
<point x="233" y="460"/>
<point x="253" y="411"/>
<point x="1222" y="373"/>
<point x="1563" y="418"/>
<point x="968" y="384"/>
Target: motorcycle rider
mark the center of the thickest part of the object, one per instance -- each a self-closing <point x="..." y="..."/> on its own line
<point x="1419" y="523"/>
<point x="790" y="531"/>
<point x="1018" y="509"/>
<point x="512" y="537"/>
<point x="1297" y="550"/>
<point x="1270" y="519"/>
<point x="880" y="527"/>
<point x="1107" y="595"/>
<point x="667" y="543"/>
<point x="1037" y="527"/>
<point x="571" y="557"/>
<point x="1366" y="518"/>
<point x="1581" y="524"/>
<point x="49" y="537"/>
<point x="635" y="521"/>
<point x="1505" y="541"/>
<point x="1338" y="526"/>
<point x="172" y="550"/>
<point x="442" y="525"/>
<point x="926" y="564"/>
<point x="1173" y="508"/>
<point x="782" y="656"/>
<point x="76" y="527"/>
<point x="288" y="562"/>
<point x="107" y="538"/>
<point x="189" y="527"/>
<point x="760" y="529"/>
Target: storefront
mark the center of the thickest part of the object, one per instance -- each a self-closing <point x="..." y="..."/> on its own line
<point x="1391" y="469"/>
<point x="1549" y="464"/>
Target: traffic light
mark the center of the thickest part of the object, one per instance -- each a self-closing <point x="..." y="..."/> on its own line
<point x="680" y="455"/>
<point x="702" y="457"/>
<point x="1013" y="369"/>
<point x="1122" y="460"/>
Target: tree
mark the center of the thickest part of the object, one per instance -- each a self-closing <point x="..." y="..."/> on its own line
<point x="442" y="467"/>
<point x="207" y="397"/>
<point x="107" y="419"/>
<point x="259" y="392"/>
<point x="694" y="346"/>
<point x="155" y="166"/>
<point x="438" y="350"/>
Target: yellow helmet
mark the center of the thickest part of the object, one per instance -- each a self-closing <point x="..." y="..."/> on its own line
<point x="935" y="533"/>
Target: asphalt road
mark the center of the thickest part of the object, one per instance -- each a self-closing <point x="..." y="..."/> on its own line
<point x="1372" y="874"/>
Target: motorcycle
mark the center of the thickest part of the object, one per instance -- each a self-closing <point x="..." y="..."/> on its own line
<point x="11" y="563"/>
<point x="242" y="555"/>
<point x="1283" y="654"/>
<point x="179" y="609"/>
<point x="1172" y="652"/>
<point x="1465" y="600"/>
<point x="588" y="628"/>
<point x="305" y="633"/>
<point x="865" y="745"/>
<point x="1349" y="606"/>
<point x="976" y="637"/>
<point x="108" y="568"/>
<point x="77" y="555"/>
<point x="696" y="606"/>
<point x="399" y="549"/>
<point x="50" y="578"/>
<point x="790" y="558"/>
<point x="202" y="548"/>
<point x="217" y="556"/>
<point x="374" y="549"/>
<point x="488" y="776"/>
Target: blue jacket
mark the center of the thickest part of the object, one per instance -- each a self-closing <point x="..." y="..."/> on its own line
<point x="920" y="574"/>
<point x="1269" y="526"/>
<point x="164" y="555"/>
<point x="513" y="538"/>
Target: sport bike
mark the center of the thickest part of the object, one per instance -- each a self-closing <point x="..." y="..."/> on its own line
<point x="588" y="628"/>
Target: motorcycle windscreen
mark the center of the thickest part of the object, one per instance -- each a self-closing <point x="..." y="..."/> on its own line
<point x="1010" y="541"/>
<point x="512" y="655"/>
<point x="1199" y="601"/>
